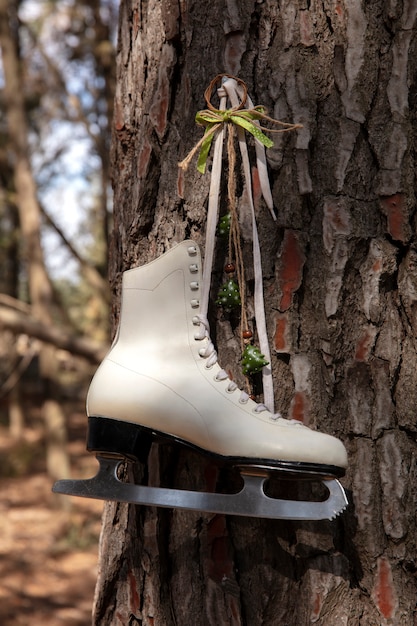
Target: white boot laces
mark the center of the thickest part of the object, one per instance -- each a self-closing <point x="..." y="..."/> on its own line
<point x="209" y="352"/>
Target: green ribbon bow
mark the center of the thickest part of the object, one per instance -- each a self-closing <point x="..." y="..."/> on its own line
<point x="214" y="119"/>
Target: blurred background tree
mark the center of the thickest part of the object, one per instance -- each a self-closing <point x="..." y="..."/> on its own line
<point x="56" y="102"/>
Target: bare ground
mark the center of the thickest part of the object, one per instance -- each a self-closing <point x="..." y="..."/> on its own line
<point x="48" y="555"/>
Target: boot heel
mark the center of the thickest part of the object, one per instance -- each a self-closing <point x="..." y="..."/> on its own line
<point x="117" y="437"/>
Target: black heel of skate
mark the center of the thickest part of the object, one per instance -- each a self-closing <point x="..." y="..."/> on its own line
<point x="108" y="436"/>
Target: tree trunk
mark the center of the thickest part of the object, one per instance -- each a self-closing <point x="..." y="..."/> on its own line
<point x="339" y="277"/>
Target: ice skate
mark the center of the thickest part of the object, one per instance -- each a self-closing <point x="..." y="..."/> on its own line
<point x="161" y="381"/>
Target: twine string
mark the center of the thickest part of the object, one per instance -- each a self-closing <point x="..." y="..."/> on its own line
<point x="243" y="116"/>
<point x="235" y="243"/>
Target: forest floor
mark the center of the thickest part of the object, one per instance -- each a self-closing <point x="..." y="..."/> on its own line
<point x="48" y="543"/>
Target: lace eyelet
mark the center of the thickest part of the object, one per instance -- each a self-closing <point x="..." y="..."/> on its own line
<point x="195" y="304"/>
<point x="193" y="268"/>
<point x="227" y="390"/>
<point x="243" y="401"/>
<point x="208" y="367"/>
<point x="192" y="250"/>
<point x="194" y="286"/>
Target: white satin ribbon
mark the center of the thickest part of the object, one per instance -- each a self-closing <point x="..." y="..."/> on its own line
<point x="230" y="89"/>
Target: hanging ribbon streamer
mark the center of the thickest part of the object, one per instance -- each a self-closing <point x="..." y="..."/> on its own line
<point x="245" y="115"/>
<point x="245" y="118"/>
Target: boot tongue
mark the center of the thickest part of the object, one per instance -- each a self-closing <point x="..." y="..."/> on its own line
<point x="230" y="90"/>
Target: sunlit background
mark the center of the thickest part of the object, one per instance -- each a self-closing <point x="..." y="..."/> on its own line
<point x="65" y="50"/>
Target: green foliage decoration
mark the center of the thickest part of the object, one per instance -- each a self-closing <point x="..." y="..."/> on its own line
<point x="229" y="296"/>
<point x="252" y="360"/>
<point x="223" y="226"/>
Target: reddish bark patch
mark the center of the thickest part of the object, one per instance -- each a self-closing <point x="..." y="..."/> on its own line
<point x="144" y="158"/>
<point x="395" y="210"/>
<point x="306" y="29"/>
<point x="134" y="596"/>
<point x="159" y="111"/>
<point x="336" y="221"/>
<point x="119" y="122"/>
<point x="220" y="564"/>
<point x="300" y="407"/>
<point x="290" y="273"/>
<point x="364" y="345"/>
<point x="180" y="183"/>
<point x="316" y="605"/>
<point x="136" y="22"/>
<point x="256" y="186"/>
<point x="384" y="592"/>
<point x="281" y="339"/>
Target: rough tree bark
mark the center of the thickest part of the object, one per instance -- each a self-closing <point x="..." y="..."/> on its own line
<point x="340" y="278"/>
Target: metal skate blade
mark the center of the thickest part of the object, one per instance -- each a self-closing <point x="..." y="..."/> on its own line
<point x="251" y="501"/>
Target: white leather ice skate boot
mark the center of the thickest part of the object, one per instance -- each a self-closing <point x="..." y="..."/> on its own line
<point x="162" y="376"/>
<point x="161" y="380"/>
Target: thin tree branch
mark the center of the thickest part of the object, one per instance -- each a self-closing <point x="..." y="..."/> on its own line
<point x="18" y="322"/>
<point x="91" y="274"/>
